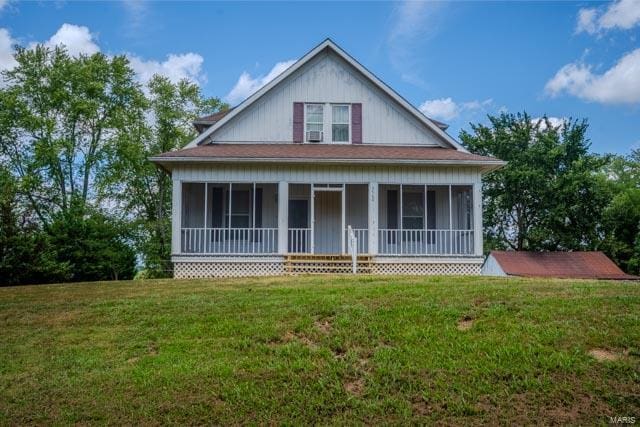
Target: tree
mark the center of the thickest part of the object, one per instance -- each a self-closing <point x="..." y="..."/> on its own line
<point x="93" y="245"/>
<point x="26" y="253"/>
<point x="621" y="219"/>
<point x="59" y="119"/>
<point x="550" y="195"/>
<point x="144" y="190"/>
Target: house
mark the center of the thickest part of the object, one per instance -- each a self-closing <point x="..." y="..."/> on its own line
<point x="324" y="155"/>
<point x="567" y="265"/>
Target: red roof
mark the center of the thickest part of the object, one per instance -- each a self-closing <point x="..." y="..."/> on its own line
<point x="326" y="152"/>
<point x="577" y="265"/>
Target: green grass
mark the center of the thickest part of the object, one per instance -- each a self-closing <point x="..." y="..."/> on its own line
<point x="301" y="350"/>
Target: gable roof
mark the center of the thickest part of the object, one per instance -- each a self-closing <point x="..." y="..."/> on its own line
<point x="329" y="44"/>
<point x="577" y="265"/>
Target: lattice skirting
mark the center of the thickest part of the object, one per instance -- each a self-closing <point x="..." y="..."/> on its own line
<point x="188" y="269"/>
<point x="195" y="270"/>
<point x="426" y="269"/>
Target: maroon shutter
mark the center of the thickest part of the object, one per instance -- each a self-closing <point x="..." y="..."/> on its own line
<point x="298" y="122"/>
<point x="356" y="123"/>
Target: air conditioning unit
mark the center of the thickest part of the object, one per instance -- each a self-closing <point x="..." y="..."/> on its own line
<point x="314" y="136"/>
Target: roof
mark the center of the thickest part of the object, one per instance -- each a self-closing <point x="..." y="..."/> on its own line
<point x="577" y="265"/>
<point x="329" y="44"/>
<point x="327" y="153"/>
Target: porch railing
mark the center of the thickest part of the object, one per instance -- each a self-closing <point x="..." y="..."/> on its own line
<point x="229" y="240"/>
<point x="425" y="242"/>
<point x="299" y="240"/>
<point x="362" y="237"/>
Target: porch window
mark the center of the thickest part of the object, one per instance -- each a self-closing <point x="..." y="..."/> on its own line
<point x="412" y="209"/>
<point x="240" y="209"/>
<point x="340" y="123"/>
<point x="314" y="119"/>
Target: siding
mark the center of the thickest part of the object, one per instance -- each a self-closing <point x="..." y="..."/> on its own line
<point x="359" y="174"/>
<point x="327" y="79"/>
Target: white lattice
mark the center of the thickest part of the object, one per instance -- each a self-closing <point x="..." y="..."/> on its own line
<point x="232" y="268"/>
<point x="193" y="270"/>
<point x="426" y="269"/>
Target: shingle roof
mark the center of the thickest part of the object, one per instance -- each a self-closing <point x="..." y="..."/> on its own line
<point x="578" y="265"/>
<point x="326" y="152"/>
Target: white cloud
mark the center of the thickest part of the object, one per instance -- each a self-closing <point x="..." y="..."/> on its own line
<point x="618" y="85"/>
<point x="412" y="22"/>
<point x="77" y="39"/>
<point x="3" y="4"/>
<point x="7" y="61"/>
<point x="175" y="67"/>
<point x="448" y="109"/>
<point x="443" y="108"/>
<point x="621" y="14"/>
<point x="247" y="85"/>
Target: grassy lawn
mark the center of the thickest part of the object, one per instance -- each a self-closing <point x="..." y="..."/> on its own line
<point x="300" y="350"/>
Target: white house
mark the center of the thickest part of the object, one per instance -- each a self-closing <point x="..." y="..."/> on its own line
<point x="277" y="183"/>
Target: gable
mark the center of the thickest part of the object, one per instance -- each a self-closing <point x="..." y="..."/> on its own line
<point x="327" y="78"/>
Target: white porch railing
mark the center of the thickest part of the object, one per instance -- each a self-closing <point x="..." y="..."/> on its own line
<point x="229" y="240"/>
<point x="362" y="237"/>
<point x="299" y="240"/>
<point x="425" y="242"/>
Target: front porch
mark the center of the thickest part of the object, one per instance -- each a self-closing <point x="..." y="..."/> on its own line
<point x="261" y="219"/>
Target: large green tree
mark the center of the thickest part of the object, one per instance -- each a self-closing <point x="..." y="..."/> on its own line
<point x="550" y="195"/>
<point x="60" y="117"/>
<point x="143" y="190"/>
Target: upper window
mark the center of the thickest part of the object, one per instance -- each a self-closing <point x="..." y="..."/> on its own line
<point x="314" y="119"/>
<point x="340" y="123"/>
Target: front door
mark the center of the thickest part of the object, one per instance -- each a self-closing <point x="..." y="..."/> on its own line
<point x="327" y="222"/>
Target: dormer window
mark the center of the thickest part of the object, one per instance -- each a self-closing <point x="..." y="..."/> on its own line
<point x="314" y="122"/>
<point x="340" y="123"/>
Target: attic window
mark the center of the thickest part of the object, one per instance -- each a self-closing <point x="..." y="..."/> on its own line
<point x="314" y="119"/>
<point x="340" y="123"/>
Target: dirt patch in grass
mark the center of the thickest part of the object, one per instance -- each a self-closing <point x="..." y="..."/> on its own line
<point x="465" y="323"/>
<point x="323" y="325"/>
<point x="354" y="387"/>
<point x="301" y="338"/>
<point x="603" y="355"/>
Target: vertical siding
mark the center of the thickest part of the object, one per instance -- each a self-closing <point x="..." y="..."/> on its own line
<point x="326" y="79"/>
<point x="355" y="174"/>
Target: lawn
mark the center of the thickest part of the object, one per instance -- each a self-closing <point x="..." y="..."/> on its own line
<point x="302" y="350"/>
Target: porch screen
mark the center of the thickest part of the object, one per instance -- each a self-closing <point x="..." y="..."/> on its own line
<point x="193" y="205"/>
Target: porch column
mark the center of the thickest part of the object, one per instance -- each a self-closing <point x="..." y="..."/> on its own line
<point x="477" y="219"/>
<point x="283" y="217"/>
<point x="176" y="217"/>
<point x="373" y="218"/>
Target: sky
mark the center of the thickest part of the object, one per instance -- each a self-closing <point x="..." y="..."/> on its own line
<point x="456" y="61"/>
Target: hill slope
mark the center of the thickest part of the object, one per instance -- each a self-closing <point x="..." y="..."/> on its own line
<point x="320" y="350"/>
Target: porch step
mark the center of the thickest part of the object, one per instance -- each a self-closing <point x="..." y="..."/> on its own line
<point x="326" y="264"/>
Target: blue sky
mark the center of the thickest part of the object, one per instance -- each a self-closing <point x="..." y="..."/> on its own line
<point x="457" y="61"/>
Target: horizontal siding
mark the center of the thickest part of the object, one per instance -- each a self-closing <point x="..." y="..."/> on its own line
<point x="327" y="79"/>
<point x="359" y="174"/>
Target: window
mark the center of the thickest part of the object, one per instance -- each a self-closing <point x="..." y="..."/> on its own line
<point x="412" y="210"/>
<point x="340" y="123"/>
<point x="240" y="209"/>
<point x="314" y="118"/>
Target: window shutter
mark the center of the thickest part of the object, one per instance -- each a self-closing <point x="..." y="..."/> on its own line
<point x="298" y="122"/>
<point x="356" y="123"/>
